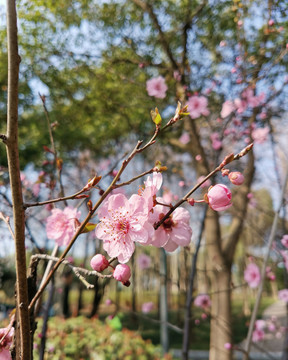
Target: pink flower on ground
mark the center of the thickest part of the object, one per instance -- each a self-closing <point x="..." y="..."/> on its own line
<point x="207" y="183"/>
<point x="123" y="222"/>
<point x="184" y="138"/>
<point x="157" y="87"/>
<point x="144" y="261"/>
<point x="197" y="106"/>
<point x="99" y="262"/>
<point x="122" y="273"/>
<point x="60" y="225"/>
<point x="284" y="241"/>
<point x="236" y="178"/>
<point x="203" y="301"/>
<point x="259" y="135"/>
<point x="147" y="307"/>
<point x="258" y="335"/>
<point x="219" y="197"/>
<point x="252" y="275"/>
<point x="6" y="343"/>
<point x="227" y="108"/>
<point x="283" y="295"/>
<point x="175" y="231"/>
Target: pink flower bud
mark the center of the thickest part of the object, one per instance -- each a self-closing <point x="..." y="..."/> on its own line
<point x="236" y="178"/>
<point x="99" y="262"/>
<point x="219" y="197"/>
<point x="122" y="273"/>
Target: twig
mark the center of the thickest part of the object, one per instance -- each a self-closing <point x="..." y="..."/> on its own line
<point x="7" y="222"/>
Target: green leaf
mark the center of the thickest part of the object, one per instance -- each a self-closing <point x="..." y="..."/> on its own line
<point x="88" y="227"/>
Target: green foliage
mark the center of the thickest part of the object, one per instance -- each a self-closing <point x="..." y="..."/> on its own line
<point x="81" y="338"/>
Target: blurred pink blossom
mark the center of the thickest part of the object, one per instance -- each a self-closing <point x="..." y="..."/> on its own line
<point x="157" y="87"/>
<point x="260" y="135"/>
<point x="147" y="307"/>
<point x="252" y="275"/>
<point x="219" y="197"/>
<point x="6" y="343"/>
<point x="283" y="295"/>
<point x="60" y="225"/>
<point x="260" y="324"/>
<point x="198" y="157"/>
<point x="203" y="301"/>
<point x="144" y="261"/>
<point x="184" y="138"/>
<point x="228" y="346"/>
<point x="197" y="106"/>
<point x="284" y="253"/>
<point x="258" y="335"/>
<point x="227" y="108"/>
<point x="207" y="183"/>
<point x="284" y="241"/>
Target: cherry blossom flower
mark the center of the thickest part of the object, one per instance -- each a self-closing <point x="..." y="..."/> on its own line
<point x="184" y="138"/>
<point x="144" y="261"/>
<point x="260" y="324"/>
<point x="284" y="253"/>
<point x="60" y="225"/>
<point x="227" y="108"/>
<point x="147" y="307"/>
<point x="203" y="301"/>
<point x="228" y="346"/>
<point x="259" y="135"/>
<point x="175" y="231"/>
<point x="123" y="222"/>
<point x="219" y="197"/>
<point x="241" y="105"/>
<point x="197" y="106"/>
<point x="236" y="178"/>
<point x="99" y="262"/>
<point x="151" y="186"/>
<point x="157" y="87"/>
<point x="252" y="275"/>
<point x="284" y="241"/>
<point x="283" y="295"/>
<point x="6" y="343"/>
<point x="122" y="273"/>
<point x="258" y="335"/>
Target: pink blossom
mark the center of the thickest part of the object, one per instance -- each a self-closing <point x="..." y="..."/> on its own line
<point x="258" y="335"/>
<point x="108" y="302"/>
<point x="61" y="225"/>
<point x="157" y="87"/>
<point x="122" y="273"/>
<point x="204" y="316"/>
<point x="197" y="106"/>
<point x="236" y="178"/>
<point x="241" y="105"/>
<point x="198" y="157"/>
<point x="260" y="324"/>
<point x="99" y="262"/>
<point x="123" y="222"/>
<point x="197" y="322"/>
<point x="206" y="183"/>
<point x="217" y="144"/>
<point x="144" y="261"/>
<point x="228" y="346"/>
<point x="284" y="253"/>
<point x="219" y="197"/>
<point x="175" y="231"/>
<point x="147" y="307"/>
<point x="284" y="241"/>
<point x="203" y="301"/>
<point x="151" y="186"/>
<point x="227" y="108"/>
<point x="260" y="135"/>
<point x="181" y="183"/>
<point x="184" y="138"/>
<point x="252" y="275"/>
<point x="283" y="295"/>
<point x="177" y="75"/>
<point x="6" y="343"/>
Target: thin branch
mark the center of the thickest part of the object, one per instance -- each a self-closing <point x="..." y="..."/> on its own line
<point x="7" y="222"/>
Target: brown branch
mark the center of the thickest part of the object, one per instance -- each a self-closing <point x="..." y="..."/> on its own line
<point x="23" y="348"/>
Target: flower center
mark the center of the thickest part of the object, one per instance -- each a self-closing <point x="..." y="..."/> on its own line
<point x="123" y="226"/>
<point x="168" y="223"/>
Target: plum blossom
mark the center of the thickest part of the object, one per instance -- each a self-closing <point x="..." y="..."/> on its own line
<point x="219" y="197"/>
<point x="184" y="138"/>
<point x="252" y="275"/>
<point x="197" y="106"/>
<point x="259" y="135"/>
<point x="258" y="335"/>
<point x="147" y="307"/>
<point x="151" y="186"/>
<point x="6" y="343"/>
<point x="175" y="231"/>
<point x="203" y="301"/>
<point x="122" y="273"/>
<point x="123" y="222"/>
<point x="99" y="262"/>
<point x="157" y="87"/>
<point x="260" y="324"/>
<point x="227" y="108"/>
<point x="284" y="241"/>
<point x="236" y="178"/>
<point x="60" y="225"/>
<point x="144" y="261"/>
<point x="283" y="295"/>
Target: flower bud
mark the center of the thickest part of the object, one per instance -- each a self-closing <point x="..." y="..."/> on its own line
<point x="99" y="263"/>
<point x="219" y="197"/>
<point x="236" y="178"/>
<point x="122" y="273"/>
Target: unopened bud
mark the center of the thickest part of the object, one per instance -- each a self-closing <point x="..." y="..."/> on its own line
<point x="89" y="205"/>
